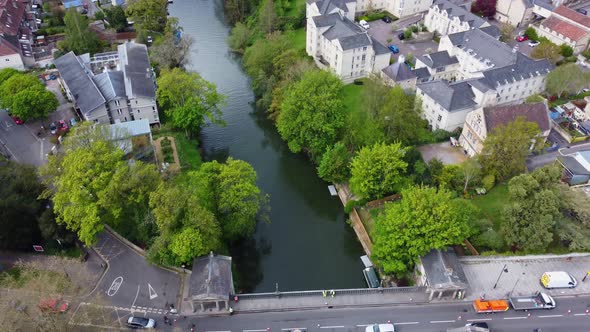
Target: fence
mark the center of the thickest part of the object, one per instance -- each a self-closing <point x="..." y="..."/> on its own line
<point x="354" y="291"/>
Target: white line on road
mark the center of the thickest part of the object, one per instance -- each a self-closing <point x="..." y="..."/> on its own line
<point x="259" y="330"/>
<point x="332" y="327"/>
<point x="515" y="317"/>
<point x="291" y="328"/>
<point x="135" y="299"/>
<point x="478" y="320"/>
<point x="442" y="321"/>
<point x="550" y="316"/>
<point x="580" y="314"/>
<point x="219" y="331"/>
<point x="407" y="323"/>
<point x="363" y="325"/>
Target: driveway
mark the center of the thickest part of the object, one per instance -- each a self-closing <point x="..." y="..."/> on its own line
<point x="131" y="282"/>
<point x="384" y="31"/>
<point x="446" y="153"/>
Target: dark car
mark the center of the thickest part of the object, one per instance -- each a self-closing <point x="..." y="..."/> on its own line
<point x="482" y="325"/>
<point x="53" y="128"/>
<point x="386" y="19"/>
<point x="582" y="11"/>
<point x="141" y="323"/>
<point x="401" y="36"/>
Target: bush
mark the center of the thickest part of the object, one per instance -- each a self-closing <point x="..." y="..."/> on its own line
<point x="490" y="239"/>
<point x="415" y="28"/>
<point x="358" y="81"/>
<point x="531" y="33"/>
<point x="586" y="54"/>
<point x="408" y="34"/>
<point x="352" y="204"/>
<point x="566" y="50"/>
<point x="389" y="40"/>
<point x="488" y="182"/>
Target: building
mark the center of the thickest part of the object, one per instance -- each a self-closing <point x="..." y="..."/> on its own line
<point x="211" y="283"/>
<point x="576" y="168"/>
<point x="111" y="87"/>
<point x="132" y="135"/>
<point x="484" y="120"/>
<point x="441" y="272"/>
<point x="399" y="8"/>
<point x="337" y="43"/>
<point x="514" y="12"/>
<point x="487" y="72"/>
<point x="15" y="37"/>
<point x="400" y="73"/>
<point x="566" y="26"/>
<point x="446" y="17"/>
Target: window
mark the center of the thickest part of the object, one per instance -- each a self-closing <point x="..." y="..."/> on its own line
<point x="136" y="101"/>
<point x="439" y="117"/>
<point x="119" y="111"/>
<point x="117" y="102"/>
<point x="138" y="111"/>
<point x="364" y="56"/>
<point x="365" y="48"/>
<point x="153" y="108"/>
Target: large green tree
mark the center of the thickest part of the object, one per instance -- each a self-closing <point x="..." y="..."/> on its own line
<point x="79" y="38"/>
<point x="567" y="79"/>
<point x="424" y="219"/>
<point x="16" y="83"/>
<point x="312" y="113"/>
<point x="116" y="17"/>
<point x="188" y="99"/>
<point x="148" y="15"/>
<point x="546" y="50"/>
<point x="335" y="164"/>
<point x="400" y="118"/>
<point x="35" y="102"/>
<point x="533" y="209"/>
<point x="267" y="17"/>
<point x="378" y="170"/>
<point x="506" y="148"/>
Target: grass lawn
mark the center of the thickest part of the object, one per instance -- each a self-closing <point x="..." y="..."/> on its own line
<point x="297" y="38"/>
<point x="188" y="149"/>
<point x="492" y="203"/>
<point x="352" y="97"/>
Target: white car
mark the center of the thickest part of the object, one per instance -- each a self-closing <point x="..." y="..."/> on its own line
<point x="533" y="43"/>
<point x="141" y="323"/>
<point x="380" y="328"/>
<point x="364" y="24"/>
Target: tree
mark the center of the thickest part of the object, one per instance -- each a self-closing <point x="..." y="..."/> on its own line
<point x="237" y="10"/>
<point x="239" y="38"/>
<point x="374" y="94"/>
<point x="335" y="164"/>
<point x="116" y="17"/>
<point x="566" y="79"/>
<point x="507" y="31"/>
<point x="170" y="51"/>
<point x="484" y="8"/>
<point x="187" y="99"/>
<point x="15" y="84"/>
<point x="378" y="170"/>
<point x="566" y="50"/>
<point x="7" y="73"/>
<point x="424" y="219"/>
<point x="36" y="102"/>
<point x="79" y="38"/>
<point x="312" y="113"/>
<point x="531" y="33"/>
<point x="267" y="17"/>
<point x="471" y="170"/>
<point x="400" y="118"/>
<point x="506" y="148"/>
<point x="574" y="228"/>
<point x="187" y="245"/>
<point x="148" y="15"/>
<point x="533" y="209"/>
<point x="546" y="50"/>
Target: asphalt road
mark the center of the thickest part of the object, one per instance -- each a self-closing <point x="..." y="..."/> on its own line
<point x="547" y="158"/>
<point x="130" y="282"/>
<point x="21" y="142"/>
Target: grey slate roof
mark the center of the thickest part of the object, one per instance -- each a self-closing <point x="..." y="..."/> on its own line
<point x="325" y="6"/>
<point x="523" y="68"/>
<point x="378" y="47"/>
<point x="464" y="15"/>
<point x="443" y="270"/>
<point x="211" y="278"/>
<point x="544" y="4"/>
<point x="438" y="59"/>
<point x="399" y="72"/>
<point x="484" y="47"/>
<point x="451" y="96"/>
<point x="139" y="81"/>
<point x="349" y="34"/>
<point x="85" y="92"/>
<point x="573" y="165"/>
<point x="421" y="73"/>
<point x="492" y="30"/>
<point x="111" y="84"/>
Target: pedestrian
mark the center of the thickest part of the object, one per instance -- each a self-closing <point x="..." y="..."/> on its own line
<point x="165" y="319"/>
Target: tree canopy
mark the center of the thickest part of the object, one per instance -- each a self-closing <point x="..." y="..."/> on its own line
<point x="424" y="219"/>
<point x="79" y="38"/>
<point x="116" y="17"/>
<point x="312" y="113"/>
<point x="546" y="50"/>
<point x="335" y="164"/>
<point x="567" y="79"/>
<point x="378" y="170"/>
<point x="506" y="148"/>
<point x="24" y="96"/>
<point x="148" y="15"/>
<point x="188" y="99"/>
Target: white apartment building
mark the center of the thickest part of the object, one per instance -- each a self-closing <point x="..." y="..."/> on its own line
<point x="566" y="26"/>
<point x="338" y="44"/>
<point x="514" y="12"/>
<point x="399" y="8"/>
<point x="445" y="17"/>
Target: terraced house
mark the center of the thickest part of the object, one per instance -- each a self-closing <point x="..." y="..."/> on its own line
<point x="446" y="17"/>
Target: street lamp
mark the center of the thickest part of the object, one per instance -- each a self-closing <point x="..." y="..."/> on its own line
<point x="504" y="269"/>
<point x="516" y="283"/>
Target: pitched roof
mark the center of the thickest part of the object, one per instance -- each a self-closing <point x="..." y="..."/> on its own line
<point x="326" y="6"/>
<point x="463" y="14"/>
<point x="572" y="15"/>
<point x="523" y="68"/>
<point x="11" y="16"/>
<point x="438" y="59"/>
<point x="137" y="70"/>
<point x="573" y="165"/>
<point x="484" y="47"/>
<point x="111" y="84"/>
<point x="6" y="48"/>
<point x="399" y="71"/>
<point x="421" y="72"/>
<point x="544" y="4"/>
<point x="564" y="28"/>
<point x="443" y="270"/>
<point x="128" y="129"/>
<point x="451" y="96"/>
<point x="492" y="30"/>
<point x="76" y="77"/>
<point x="378" y="47"/>
<point x="345" y="31"/>
<point x="502" y="115"/>
<point x="211" y="278"/>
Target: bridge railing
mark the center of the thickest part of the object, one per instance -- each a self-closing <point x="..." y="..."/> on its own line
<point x="328" y="292"/>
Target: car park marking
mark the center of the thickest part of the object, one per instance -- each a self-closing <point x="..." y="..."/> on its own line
<point x="515" y="317"/>
<point x="289" y="329"/>
<point x="442" y="321"/>
<point x="580" y="314"/>
<point x="479" y="320"/>
<point x="115" y="286"/>
<point x="152" y="292"/>
<point x="261" y="330"/>
<point x="332" y="327"/>
<point x="407" y="323"/>
<point x="135" y="299"/>
<point x="550" y="316"/>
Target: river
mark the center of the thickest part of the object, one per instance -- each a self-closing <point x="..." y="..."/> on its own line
<point x="307" y="245"/>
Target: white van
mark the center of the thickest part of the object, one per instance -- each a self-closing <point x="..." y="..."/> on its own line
<point x="364" y="24"/>
<point x="558" y="279"/>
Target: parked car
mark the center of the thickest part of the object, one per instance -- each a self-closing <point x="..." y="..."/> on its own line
<point x="522" y="38"/>
<point x="482" y="325"/>
<point x="53" y="128"/>
<point x="386" y="19"/>
<point x="141" y="323"/>
<point x="393" y="49"/>
<point x="150" y="39"/>
<point x="17" y="120"/>
<point x="558" y="279"/>
<point x="582" y="11"/>
<point x="533" y="43"/>
<point x="364" y="24"/>
<point x="53" y="305"/>
<point x="401" y="36"/>
<point x="73" y="122"/>
<point x="62" y="125"/>
<point x="380" y="328"/>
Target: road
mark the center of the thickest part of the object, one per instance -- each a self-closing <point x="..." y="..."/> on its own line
<point x="547" y="158"/>
<point x="21" y="142"/>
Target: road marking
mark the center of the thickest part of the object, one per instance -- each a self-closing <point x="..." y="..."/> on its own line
<point x="289" y="329"/>
<point x="442" y="321"/>
<point x="332" y="327"/>
<point x="115" y="286"/>
<point x="363" y="325"/>
<point x="259" y="330"/>
<point x="515" y="317"/>
<point x="550" y="316"/>
<point x="152" y="292"/>
<point x="219" y="331"/>
<point x="478" y="320"/>
<point x="135" y="299"/>
<point x="407" y="323"/>
<point x="580" y="314"/>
